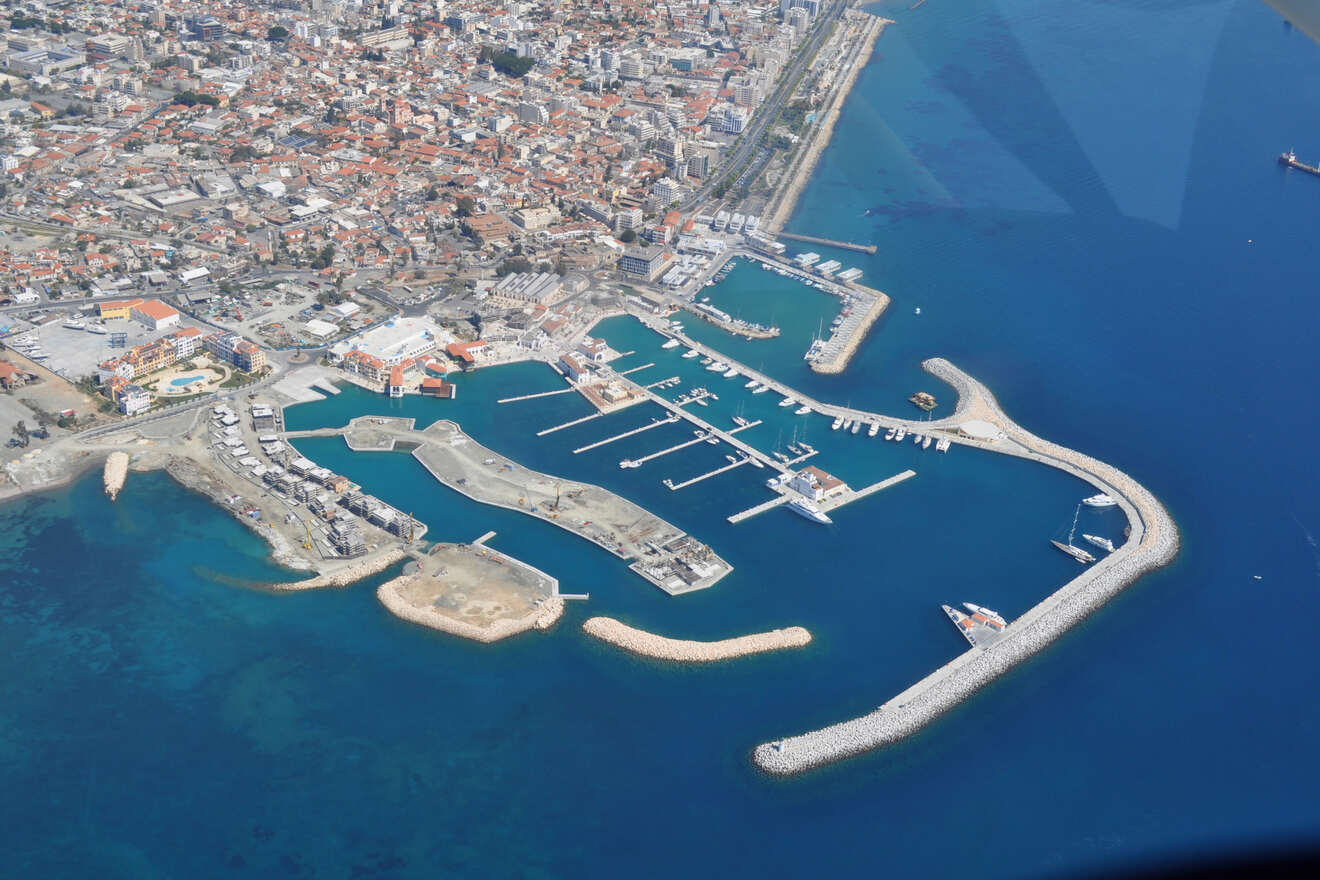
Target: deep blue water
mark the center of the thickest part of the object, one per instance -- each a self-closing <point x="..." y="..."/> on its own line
<point x="1067" y="191"/>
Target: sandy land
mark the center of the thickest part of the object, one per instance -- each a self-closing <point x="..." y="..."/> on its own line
<point x="543" y="616"/>
<point x="116" y="471"/>
<point x="648" y="644"/>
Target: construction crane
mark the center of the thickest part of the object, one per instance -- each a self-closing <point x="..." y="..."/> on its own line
<point x="307" y="541"/>
<point x="411" y="527"/>
<point x="557" y="485"/>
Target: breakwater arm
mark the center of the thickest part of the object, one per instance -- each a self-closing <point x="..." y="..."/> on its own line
<point x="116" y="472"/>
<point x="648" y="644"/>
<point x="1153" y="542"/>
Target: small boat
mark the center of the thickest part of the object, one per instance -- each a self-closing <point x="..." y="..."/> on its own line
<point x="673" y="343"/>
<point x="732" y="459"/>
<point x="751" y="383"/>
<point x="730" y="373"/>
<point x="857" y="426"/>
<point x="1075" y="552"/>
<point x="916" y="439"/>
<point x="762" y="390"/>
<point x="74" y="324"/>
<point x="629" y="463"/>
<point x="943" y="445"/>
<point x="917" y="310"/>
<point x="690" y="353"/>
<point x="755" y="462"/>
<point x="902" y="432"/>
<point x="713" y="440"/>
<point x="98" y="329"/>
<point x="701" y="401"/>
<point x="706" y="360"/>
<point x="802" y="410"/>
<point x="873" y="430"/>
<point x="837" y="424"/>
<point x="1098" y="541"/>
<point x="805" y="508"/>
<point x="1101" y="500"/>
<point x="889" y="435"/>
<point x="925" y="443"/>
<point x="787" y="401"/>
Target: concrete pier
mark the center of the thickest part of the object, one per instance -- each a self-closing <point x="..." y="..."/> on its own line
<point x="758" y="509"/>
<point x="569" y="424"/>
<point x="1152" y="542"/>
<point x="534" y="396"/>
<point x="655" y="424"/>
<point x="674" y="487"/>
<point x="693" y="442"/>
<point x="637" y="369"/>
<point x="829" y="242"/>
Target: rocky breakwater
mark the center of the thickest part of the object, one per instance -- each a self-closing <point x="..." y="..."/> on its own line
<point x="648" y="644"/>
<point x="349" y="574"/>
<point x="842" y="351"/>
<point x="1153" y="542"/>
<point x="116" y="472"/>
<point x="544" y="616"/>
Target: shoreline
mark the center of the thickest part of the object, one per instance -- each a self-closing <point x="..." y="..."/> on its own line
<point x="543" y="617"/>
<point x="799" y="174"/>
<point x="1154" y="542"/>
<point x="646" y="644"/>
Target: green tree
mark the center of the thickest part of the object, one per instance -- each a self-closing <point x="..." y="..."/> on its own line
<point x="277" y="33"/>
<point x="627" y="236"/>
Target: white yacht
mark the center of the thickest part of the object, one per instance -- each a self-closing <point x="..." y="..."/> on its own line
<point x="902" y="432"/>
<point x="98" y="329"/>
<point x="1101" y="500"/>
<point x="925" y="443"/>
<point x="730" y="373"/>
<point x="802" y="410"/>
<point x="673" y="343"/>
<point x="805" y="508"/>
<point x="857" y="426"/>
<point x="787" y="401"/>
<point x="75" y="324"/>
<point x="629" y="463"/>
<point x="1100" y="542"/>
<point x="873" y="430"/>
<point x="889" y="435"/>
<point x="752" y="383"/>
<point x="762" y="390"/>
<point x="690" y="353"/>
<point x="717" y="367"/>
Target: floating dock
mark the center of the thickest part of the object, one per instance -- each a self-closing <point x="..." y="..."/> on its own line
<point x="674" y="487"/>
<point x="636" y="369"/>
<point x="569" y="424"/>
<point x="534" y="396"/>
<point x="684" y="445"/>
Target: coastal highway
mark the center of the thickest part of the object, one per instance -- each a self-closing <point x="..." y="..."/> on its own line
<point x="769" y="109"/>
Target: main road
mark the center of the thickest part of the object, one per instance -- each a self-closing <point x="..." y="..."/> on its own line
<point x="769" y="109"/>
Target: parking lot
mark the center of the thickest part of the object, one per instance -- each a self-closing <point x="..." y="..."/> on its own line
<point x="76" y="353"/>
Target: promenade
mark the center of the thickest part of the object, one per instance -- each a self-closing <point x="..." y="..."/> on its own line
<point x="1153" y="542"/>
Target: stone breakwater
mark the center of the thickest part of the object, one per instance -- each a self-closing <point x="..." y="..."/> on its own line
<point x="543" y="617"/>
<point x="839" y="361"/>
<point x="345" y="576"/>
<point x="116" y="472"/>
<point x="1153" y="543"/>
<point x="648" y="644"/>
<point x="799" y="173"/>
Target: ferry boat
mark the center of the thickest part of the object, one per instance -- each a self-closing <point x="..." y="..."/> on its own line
<point x="98" y="329"/>
<point x="986" y="612"/>
<point x="889" y="435"/>
<point x="962" y="621"/>
<point x="802" y="410"/>
<point x="629" y="463"/>
<point x="925" y="444"/>
<point x="1075" y="552"/>
<point x="1098" y="541"/>
<point x="943" y="445"/>
<point x="805" y="508"/>
<point x="1101" y="500"/>
<point x="690" y="353"/>
<point x="730" y="373"/>
<point x="873" y="430"/>
<point x="787" y="401"/>
<point x="673" y="343"/>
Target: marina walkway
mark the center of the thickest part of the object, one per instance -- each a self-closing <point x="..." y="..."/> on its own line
<point x="655" y="424"/>
<point x="674" y="487"/>
<point x="569" y="424"/>
<point x="534" y="396"/>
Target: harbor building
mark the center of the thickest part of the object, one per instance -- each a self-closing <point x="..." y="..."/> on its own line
<point x="816" y="484"/>
<point x="647" y="261"/>
<point x="396" y="341"/>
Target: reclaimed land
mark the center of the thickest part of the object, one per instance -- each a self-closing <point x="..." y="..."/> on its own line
<point x="648" y="644"/>
<point x="1153" y="542"/>
<point x="543" y="617"/>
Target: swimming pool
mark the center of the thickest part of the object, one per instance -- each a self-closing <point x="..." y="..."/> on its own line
<point x="185" y="380"/>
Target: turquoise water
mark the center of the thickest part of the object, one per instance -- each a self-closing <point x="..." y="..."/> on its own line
<point x="1076" y="238"/>
<point x="186" y="380"/>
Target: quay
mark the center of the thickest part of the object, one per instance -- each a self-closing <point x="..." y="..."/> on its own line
<point x="655" y="424"/>
<point x="534" y="396"/>
<point x="594" y="415"/>
<point x="826" y="504"/>
<point x="674" y="487"/>
<point x="636" y="369"/>
<point x="829" y="242"/>
<point x="1152" y="543"/>
<point x="685" y="444"/>
<point x="759" y="509"/>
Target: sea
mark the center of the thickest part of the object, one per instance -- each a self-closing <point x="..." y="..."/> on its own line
<point x="1083" y="200"/>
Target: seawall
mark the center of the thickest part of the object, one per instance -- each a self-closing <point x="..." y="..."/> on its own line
<point x="1153" y="542"/>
